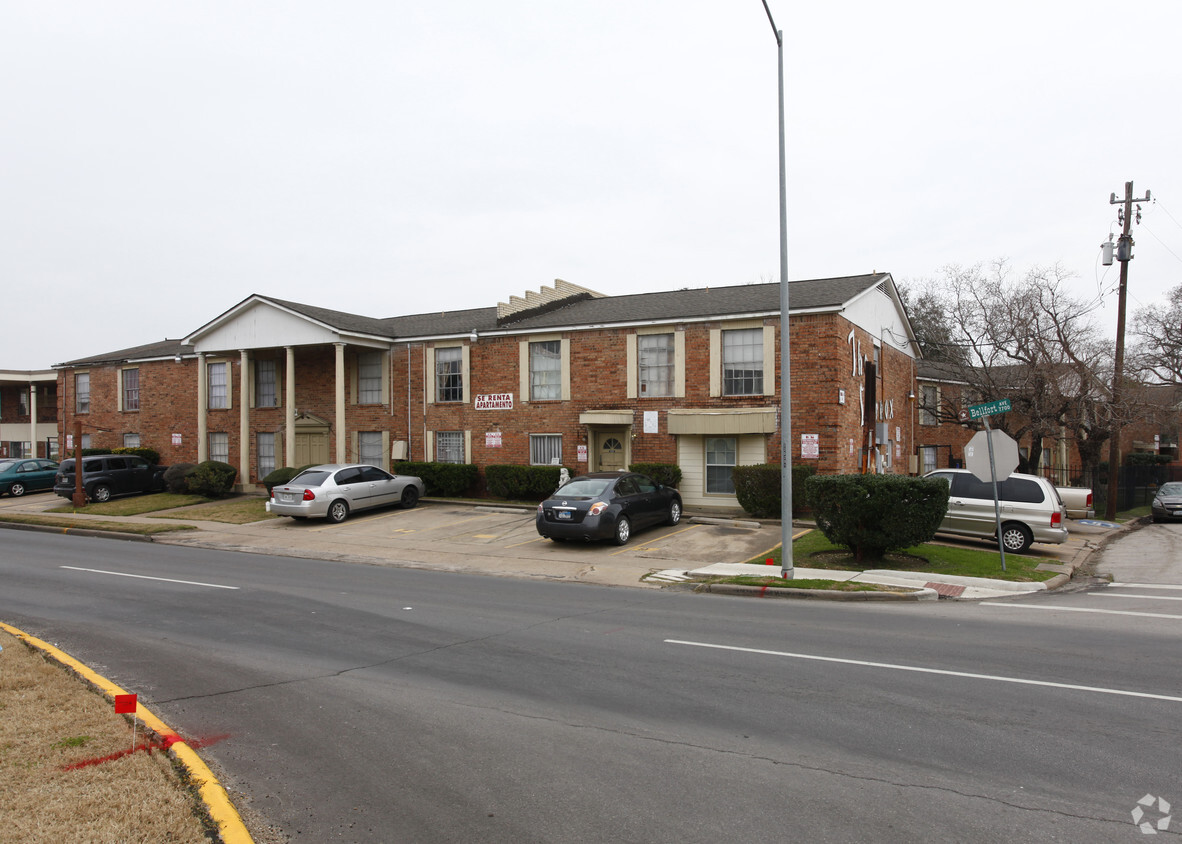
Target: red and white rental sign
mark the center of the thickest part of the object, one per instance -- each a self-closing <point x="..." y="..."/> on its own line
<point x="494" y="401"/>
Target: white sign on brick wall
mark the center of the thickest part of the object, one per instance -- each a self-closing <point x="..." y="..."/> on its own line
<point x="810" y="446"/>
<point x="494" y="401"/>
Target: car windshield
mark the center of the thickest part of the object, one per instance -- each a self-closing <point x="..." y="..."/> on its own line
<point x="585" y="487"/>
<point x="1170" y="489"/>
<point x="311" y="477"/>
<point x="6" y="465"/>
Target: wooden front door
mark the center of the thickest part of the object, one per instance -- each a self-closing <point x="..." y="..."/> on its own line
<point x="609" y="451"/>
<point x="311" y="448"/>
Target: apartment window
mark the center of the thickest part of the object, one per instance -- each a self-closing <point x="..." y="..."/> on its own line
<point x="545" y="370"/>
<point x="369" y="448"/>
<point x="449" y="377"/>
<point x="265" y="393"/>
<point x="266" y="449"/>
<point x="929" y="454"/>
<point x="721" y="457"/>
<point x="23" y="402"/>
<point x="369" y="378"/>
<point x="131" y="389"/>
<point x="655" y="355"/>
<point x="131" y="440"/>
<point x="82" y="392"/>
<point x="218" y="393"/>
<point x="219" y="447"/>
<point x="86" y="440"/>
<point x="545" y="449"/>
<point x="929" y="406"/>
<point x="449" y="446"/>
<point x="742" y="362"/>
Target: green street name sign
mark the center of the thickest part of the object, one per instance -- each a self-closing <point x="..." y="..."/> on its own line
<point x="976" y="411"/>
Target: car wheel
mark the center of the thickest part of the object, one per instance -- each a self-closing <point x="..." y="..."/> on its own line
<point x="1015" y="537"/>
<point x="410" y="497"/>
<point x="674" y="513"/>
<point x="17" y="490"/>
<point x="100" y="493"/>
<point x="338" y="511"/>
<point x="623" y="531"/>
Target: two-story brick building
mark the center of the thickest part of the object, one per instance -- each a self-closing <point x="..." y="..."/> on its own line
<point x="564" y="375"/>
<point x="28" y="413"/>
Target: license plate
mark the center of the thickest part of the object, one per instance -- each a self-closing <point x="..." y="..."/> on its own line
<point x="563" y="515"/>
<point x="285" y="496"/>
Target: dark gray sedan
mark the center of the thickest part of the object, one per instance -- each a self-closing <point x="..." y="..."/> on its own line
<point x="334" y="490"/>
<point x="1167" y="504"/>
<point x="607" y="505"/>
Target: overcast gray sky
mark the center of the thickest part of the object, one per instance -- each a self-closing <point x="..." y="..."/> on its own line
<point x="161" y="161"/>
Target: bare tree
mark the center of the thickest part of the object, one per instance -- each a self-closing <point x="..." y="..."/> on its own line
<point x="1156" y="352"/>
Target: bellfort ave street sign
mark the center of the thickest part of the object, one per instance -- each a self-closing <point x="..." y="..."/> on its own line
<point x="989" y="408"/>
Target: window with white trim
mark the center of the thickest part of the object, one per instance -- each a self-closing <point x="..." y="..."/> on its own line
<point x="265" y="441"/>
<point x="218" y="387"/>
<point x="369" y="448"/>
<point x="131" y="389"/>
<point x="742" y="362"/>
<point x="449" y="446"/>
<point x="655" y="356"/>
<point x="131" y="440"/>
<point x="219" y="447"/>
<point x="545" y="370"/>
<point x="449" y="374"/>
<point x="929" y="405"/>
<point x="545" y="449"/>
<point x="369" y="378"/>
<point x="82" y="392"/>
<point x="266" y="393"/>
<point x="929" y="455"/>
<point x="722" y="454"/>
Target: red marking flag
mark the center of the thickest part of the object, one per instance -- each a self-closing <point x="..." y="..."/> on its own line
<point x="125" y="704"/>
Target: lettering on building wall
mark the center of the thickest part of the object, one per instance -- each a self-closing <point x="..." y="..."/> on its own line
<point x="494" y="401"/>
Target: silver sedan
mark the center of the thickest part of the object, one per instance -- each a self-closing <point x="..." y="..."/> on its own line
<point x="334" y="490"/>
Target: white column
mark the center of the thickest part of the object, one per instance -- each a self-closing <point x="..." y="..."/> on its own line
<point x="244" y="419"/>
<point x="340" y="384"/>
<point x="290" y="413"/>
<point x="202" y="410"/>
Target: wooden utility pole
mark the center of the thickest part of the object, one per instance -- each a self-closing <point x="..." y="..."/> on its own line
<point x="1124" y="254"/>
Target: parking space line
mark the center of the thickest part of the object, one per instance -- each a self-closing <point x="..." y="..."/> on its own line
<point x="646" y="546"/>
<point x="527" y="542"/>
<point x="795" y="536"/>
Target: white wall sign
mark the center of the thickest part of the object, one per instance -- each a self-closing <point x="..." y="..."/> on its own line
<point x="492" y="439"/>
<point x="650" y="422"/>
<point x="810" y="446"/>
<point x="494" y="401"/>
<point x="176" y="439"/>
<point x="582" y="453"/>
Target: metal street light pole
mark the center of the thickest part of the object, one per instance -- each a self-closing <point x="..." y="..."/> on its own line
<point x="786" y="565"/>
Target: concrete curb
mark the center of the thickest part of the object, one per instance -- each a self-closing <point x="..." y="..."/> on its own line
<point x="229" y="823"/>
<point x="742" y="590"/>
<point x="78" y="531"/>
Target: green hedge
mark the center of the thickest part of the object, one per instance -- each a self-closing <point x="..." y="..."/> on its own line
<point x="149" y="454"/>
<point x="212" y="479"/>
<point x="668" y="474"/>
<point x="451" y="480"/>
<point x="520" y="483"/>
<point x="175" y="477"/>
<point x="873" y="514"/>
<point x="758" y="489"/>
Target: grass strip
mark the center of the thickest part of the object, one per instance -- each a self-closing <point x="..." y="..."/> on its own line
<point x="134" y="505"/>
<point x="68" y="524"/>
<point x="235" y="511"/>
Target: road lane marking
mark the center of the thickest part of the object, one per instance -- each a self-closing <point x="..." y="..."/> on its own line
<point x="1077" y="609"/>
<point x="146" y="577"/>
<point x="996" y="678"/>
<point x="1142" y="586"/>
<point x="1139" y="597"/>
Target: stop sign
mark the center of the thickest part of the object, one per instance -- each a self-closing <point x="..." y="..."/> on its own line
<point x="1005" y="454"/>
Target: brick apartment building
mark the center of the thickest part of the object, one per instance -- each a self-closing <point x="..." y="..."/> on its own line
<point x="28" y="413"/>
<point x="564" y="375"/>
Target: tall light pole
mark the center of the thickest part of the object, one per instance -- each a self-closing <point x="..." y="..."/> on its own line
<point x="786" y="566"/>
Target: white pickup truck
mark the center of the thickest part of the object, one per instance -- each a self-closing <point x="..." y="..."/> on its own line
<point x="1077" y="500"/>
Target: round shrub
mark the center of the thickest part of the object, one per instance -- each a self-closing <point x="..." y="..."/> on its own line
<point x="212" y="479"/>
<point x="174" y="478"/>
<point x="279" y="477"/>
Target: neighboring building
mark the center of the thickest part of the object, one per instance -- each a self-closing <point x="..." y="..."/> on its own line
<point x="28" y="413"/>
<point x="563" y="376"/>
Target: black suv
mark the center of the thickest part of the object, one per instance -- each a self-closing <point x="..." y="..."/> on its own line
<point x="105" y="475"/>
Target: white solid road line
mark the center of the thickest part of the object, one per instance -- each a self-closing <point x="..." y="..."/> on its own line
<point x="1139" y="597"/>
<point x="146" y="577"/>
<point x="1076" y="609"/>
<point x="966" y="674"/>
<point x="1143" y="586"/>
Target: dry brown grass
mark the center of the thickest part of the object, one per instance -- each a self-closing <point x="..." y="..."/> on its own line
<point x="235" y="511"/>
<point x="50" y="719"/>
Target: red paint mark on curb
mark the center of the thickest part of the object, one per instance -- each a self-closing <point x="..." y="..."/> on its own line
<point x="147" y="747"/>
<point x="947" y="590"/>
<point x="763" y="591"/>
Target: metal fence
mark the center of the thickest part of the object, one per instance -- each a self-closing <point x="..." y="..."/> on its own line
<point x="1136" y="485"/>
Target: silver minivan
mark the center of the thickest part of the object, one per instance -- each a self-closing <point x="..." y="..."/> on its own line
<point x="1031" y="510"/>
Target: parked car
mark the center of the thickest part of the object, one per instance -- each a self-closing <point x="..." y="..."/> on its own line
<point x="1031" y="510"/>
<point x="1167" y="504"/>
<point x="108" y="475"/>
<point x="607" y="505"/>
<point x="20" y="476"/>
<point x="334" y="490"/>
<point x="1077" y="500"/>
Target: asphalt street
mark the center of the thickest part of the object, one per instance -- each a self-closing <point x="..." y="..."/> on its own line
<point x="375" y="703"/>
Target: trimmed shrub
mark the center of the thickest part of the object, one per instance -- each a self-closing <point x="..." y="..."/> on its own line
<point x="521" y="483"/>
<point x="174" y="478"/>
<point x="213" y="479"/>
<point x="758" y="489"/>
<point x="149" y="454"/>
<point x="668" y="474"/>
<point x="448" y="479"/>
<point x="873" y="514"/>
<point x="279" y="476"/>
